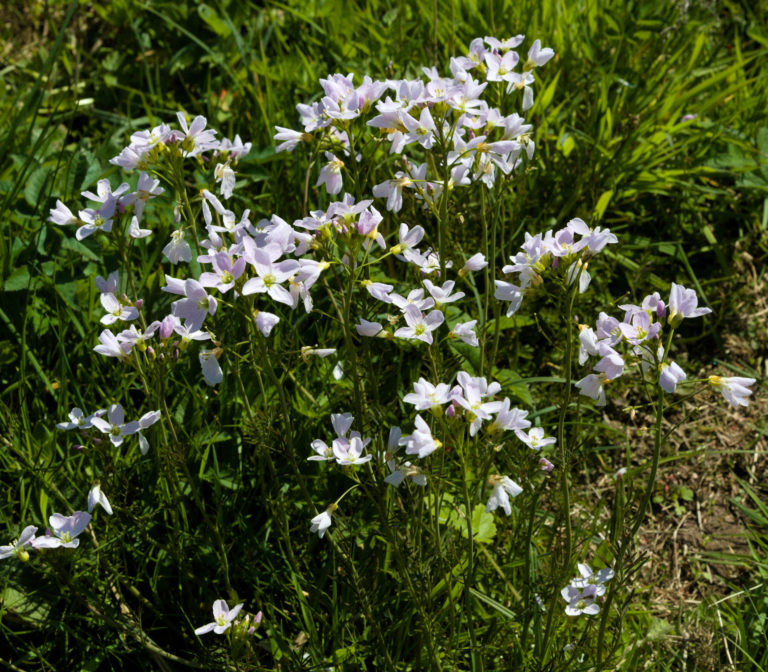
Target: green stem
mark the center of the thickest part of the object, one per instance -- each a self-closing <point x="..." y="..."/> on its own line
<point x="563" y="455"/>
<point x="477" y="662"/>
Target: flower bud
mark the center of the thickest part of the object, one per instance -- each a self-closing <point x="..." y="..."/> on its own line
<point x="661" y="309"/>
<point x="545" y="465"/>
<point x="166" y="327"/>
<point x="139" y="303"/>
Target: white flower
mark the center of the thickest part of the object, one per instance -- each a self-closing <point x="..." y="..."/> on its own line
<point x="322" y="521"/>
<point x="503" y="487"/>
<point x="421" y="442"/>
<point x="419" y="327"/>
<point x="535" y="438"/>
<point x="590" y="578"/>
<point x="17" y="546"/>
<point x="592" y="386"/>
<point x="425" y="395"/>
<point x="734" y="389"/>
<point x="671" y="374"/>
<point x="78" y="420"/>
<point x="224" y="174"/>
<point x="580" y="601"/>
<point x="366" y="328"/>
<point x="222" y="616"/>
<point x="466" y="332"/>
<point x="474" y="263"/>
<point x="212" y="373"/>
<point x="65" y="530"/>
<point x="683" y="303"/>
<point x="115" y="424"/>
<point x="97" y="496"/>
<point x="178" y="249"/>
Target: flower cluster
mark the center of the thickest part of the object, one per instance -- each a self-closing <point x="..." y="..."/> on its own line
<point x="61" y="533"/>
<point x="114" y="426"/>
<point x="550" y="250"/>
<point x="472" y="400"/>
<point x="584" y="590"/>
<point x="640" y="331"/>
<point x="435" y="112"/>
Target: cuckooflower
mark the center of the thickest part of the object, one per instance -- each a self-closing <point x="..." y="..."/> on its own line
<point x="425" y="395"/>
<point x="507" y="418"/>
<point x="421" y="442"/>
<point x="683" y="303"/>
<point x="222" y="618"/>
<point x="178" y="249"/>
<point x="97" y="496"/>
<point x="420" y="327"/>
<point x="535" y="439"/>
<point x="580" y="601"/>
<point x="116" y="426"/>
<point x="670" y="374"/>
<point x="590" y="578"/>
<point x="209" y="363"/>
<point x="65" y="530"/>
<point x="503" y="487"/>
<point x="734" y="390"/>
<point x="592" y="386"/>
<point x="322" y="521"/>
<point x="466" y="332"/>
<point x="18" y="547"/>
<point x="78" y="420"/>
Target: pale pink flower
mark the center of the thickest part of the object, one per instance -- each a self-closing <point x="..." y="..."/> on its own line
<point x="222" y="618"/>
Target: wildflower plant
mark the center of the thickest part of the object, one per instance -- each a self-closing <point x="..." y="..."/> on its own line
<point x="450" y="488"/>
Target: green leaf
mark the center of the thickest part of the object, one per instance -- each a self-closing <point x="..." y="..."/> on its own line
<point x="76" y="246"/>
<point x="209" y="15"/>
<point x="19" y="280"/>
<point x="483" y="525"/>
<point x="468" y="353"/>
<point x="513" y="321"/>
<point x="566" y="144"/>
<point x="504" y="611"/>
<point x="546" y="98"/>
<point x="23" y="607"/>
<point x="35" y="185"/>
<point x="602" y="204"/>
<point x="512" y="383"/>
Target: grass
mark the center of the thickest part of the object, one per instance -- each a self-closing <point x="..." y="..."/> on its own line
<point x="688" y="197"/>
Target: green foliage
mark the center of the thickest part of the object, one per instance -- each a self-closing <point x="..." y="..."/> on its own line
<point x="222" y="515"/>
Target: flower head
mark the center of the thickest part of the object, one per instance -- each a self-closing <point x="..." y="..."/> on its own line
<point x="222" y="618"/>
<point x="18" y="547"/>
<point x="322" y="521"/>
<point x="734" y="390"/>
<point x="65" y="530"/>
